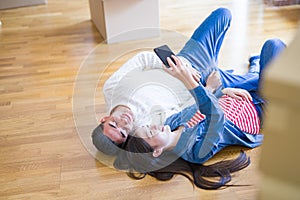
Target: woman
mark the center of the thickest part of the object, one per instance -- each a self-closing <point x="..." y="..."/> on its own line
<point x="190" y="138"/>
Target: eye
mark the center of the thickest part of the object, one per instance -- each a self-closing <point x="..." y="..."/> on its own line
<point x="112" y="124"/>
<point x="151" y="133"/>
<point x="123" y="133"/>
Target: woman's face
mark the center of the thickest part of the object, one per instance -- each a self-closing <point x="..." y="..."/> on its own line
<point x="157" y="136"/>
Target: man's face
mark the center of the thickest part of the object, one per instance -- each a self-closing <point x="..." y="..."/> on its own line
<point x="118" y="125"/>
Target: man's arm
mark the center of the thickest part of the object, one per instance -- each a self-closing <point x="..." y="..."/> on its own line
<point x="141" y="61"/>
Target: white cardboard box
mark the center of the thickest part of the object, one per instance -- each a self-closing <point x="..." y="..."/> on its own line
<point x="123" y="20"/>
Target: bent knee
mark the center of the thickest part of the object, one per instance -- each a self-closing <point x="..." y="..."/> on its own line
<point x="275" y="42"/>
<point x="223" y="12"/>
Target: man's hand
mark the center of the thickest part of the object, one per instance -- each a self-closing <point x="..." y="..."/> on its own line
<point x="213" y="81"/>
<point x="237" y="93"/>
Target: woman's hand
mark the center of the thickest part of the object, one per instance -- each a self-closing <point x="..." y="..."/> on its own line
<point x="195" y="73"/>
<point x="237" y="93"/>
<point x="181" y="72"/>
<point x="213" y="81"/>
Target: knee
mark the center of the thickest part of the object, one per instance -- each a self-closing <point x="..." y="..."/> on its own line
<point x="270" y="50"/>
<point x="275" y="42"/>
<point x="223" y="12"/>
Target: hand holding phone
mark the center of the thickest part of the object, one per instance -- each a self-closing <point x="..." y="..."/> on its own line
<point x="163" y="52"/>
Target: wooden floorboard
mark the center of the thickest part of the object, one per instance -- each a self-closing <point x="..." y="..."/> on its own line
<point x="41" y="51"/>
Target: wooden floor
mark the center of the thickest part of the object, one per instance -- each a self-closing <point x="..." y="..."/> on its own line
<point x="43" y="155"/>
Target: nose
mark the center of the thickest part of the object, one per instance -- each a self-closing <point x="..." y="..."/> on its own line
<point x="122" y="127"/>
<point x="122" y="123"/>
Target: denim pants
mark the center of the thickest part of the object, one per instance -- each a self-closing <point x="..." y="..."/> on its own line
<point x="202" y="51"/>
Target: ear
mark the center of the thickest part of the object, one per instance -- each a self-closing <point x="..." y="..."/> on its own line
<point x="157" y="152"/>
<point x="103" y="119"/>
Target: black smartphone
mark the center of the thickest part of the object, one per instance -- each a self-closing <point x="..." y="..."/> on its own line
<point x="163" y="52"/>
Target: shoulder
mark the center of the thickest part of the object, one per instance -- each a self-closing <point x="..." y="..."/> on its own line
<point x="145" y="54"/>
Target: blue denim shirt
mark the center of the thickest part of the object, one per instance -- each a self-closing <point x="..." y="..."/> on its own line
<point x="205" y="139"/>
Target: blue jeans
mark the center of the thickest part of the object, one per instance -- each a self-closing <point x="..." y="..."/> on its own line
<point x="202" y="51"/>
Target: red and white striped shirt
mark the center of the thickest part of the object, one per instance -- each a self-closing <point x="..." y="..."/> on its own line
<point x="242" y="113"/>
<point x="198" y="116"/>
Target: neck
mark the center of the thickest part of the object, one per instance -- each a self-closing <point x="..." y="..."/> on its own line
<point x="175" y="138"/>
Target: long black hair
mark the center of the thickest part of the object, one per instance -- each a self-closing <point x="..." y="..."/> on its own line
<point x="138" y="162"/>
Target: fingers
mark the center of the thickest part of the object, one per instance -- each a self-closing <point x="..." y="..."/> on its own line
<point x="182" y="73"/>
<point x="177" y="61"/>
<point x="170" y="61"/>
<point x="196" y="74"/>
<point x="238" y="94"/>
<point x="247" y="95"/>
<point x="212" y="74"/>
<point x="213" y="82"/>
<point x="244" y="94"/>
<point x="174" y="68"/>
<point x="171" y="66"/>
<point x="215" y="74"/>
<point x="196" y="77"/>
<point x="238" y="97"/>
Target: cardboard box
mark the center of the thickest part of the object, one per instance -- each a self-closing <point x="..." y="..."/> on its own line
<point x="4" y="4"/>
<point x="280" y="160"/>
<point x="119" y="20"/>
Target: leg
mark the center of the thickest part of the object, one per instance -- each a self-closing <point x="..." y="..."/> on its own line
<point x="252" y="80"/>
<point x="270" y="50"/>
<point x="247" y="81"/>
<point x="254" y="64"/>
<point x="202" y="49"/>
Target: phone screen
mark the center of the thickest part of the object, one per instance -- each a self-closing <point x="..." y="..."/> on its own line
<point x="163" y="52"/>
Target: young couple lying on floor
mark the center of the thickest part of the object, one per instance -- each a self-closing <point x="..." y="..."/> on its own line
<point x="153" y="128"/>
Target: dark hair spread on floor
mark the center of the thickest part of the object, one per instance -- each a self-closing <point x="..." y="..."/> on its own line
<point x="138" y="161"/>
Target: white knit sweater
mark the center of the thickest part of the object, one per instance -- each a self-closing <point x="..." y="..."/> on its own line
<point x="143" y="86"/>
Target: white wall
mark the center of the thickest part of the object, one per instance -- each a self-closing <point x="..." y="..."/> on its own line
<point x="4" y="4"/>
